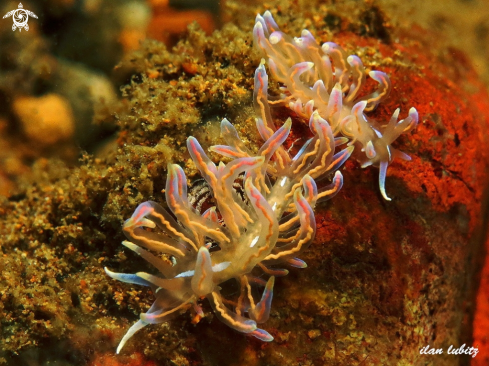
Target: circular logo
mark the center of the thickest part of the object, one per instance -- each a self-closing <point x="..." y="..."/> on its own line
<point x="20" y="18"/>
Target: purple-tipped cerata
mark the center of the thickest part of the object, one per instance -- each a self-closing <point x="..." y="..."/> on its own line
<point x="263" y="217"/>
<point x="326" y="80"/>
<point x="262" y="232"/>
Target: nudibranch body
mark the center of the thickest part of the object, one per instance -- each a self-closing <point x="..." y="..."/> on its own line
<point x="326" y="80"/>
<point x="242" y="238"/>
<point x="263" y="225"/>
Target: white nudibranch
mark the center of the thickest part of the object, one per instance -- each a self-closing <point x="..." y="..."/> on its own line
<point x="326" y="80"/>
<point x="265" y="222"/>
<point x="274" y="223"/>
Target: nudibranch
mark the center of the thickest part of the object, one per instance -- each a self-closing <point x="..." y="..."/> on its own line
<point x="263" y="225"/>
<point x="324" y="79"/>
<point x="240" y="239"/>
